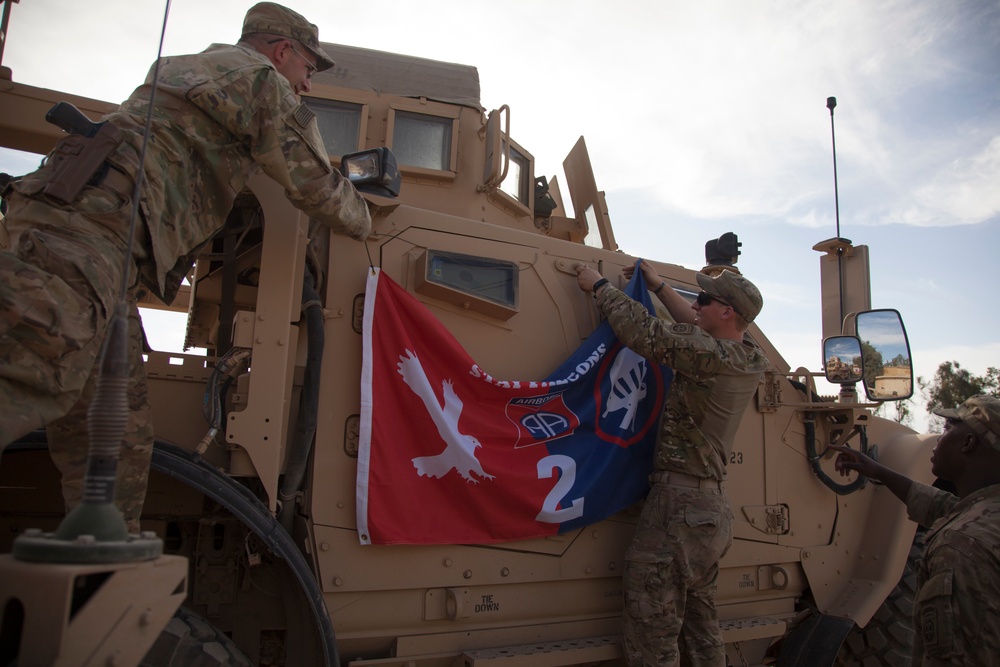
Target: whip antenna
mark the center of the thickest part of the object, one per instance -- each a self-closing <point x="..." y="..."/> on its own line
<point x="831" y="102"/>
<point x="127" y="263"/>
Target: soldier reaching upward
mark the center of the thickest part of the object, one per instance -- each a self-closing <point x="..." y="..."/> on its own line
<point x="219" y="117"/>
<point x="672" y="566"/>
<point x="955" y="613"/>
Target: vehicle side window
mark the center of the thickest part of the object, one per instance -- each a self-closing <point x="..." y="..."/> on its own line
<point x="477" y="276"/>
<point x="339" y="123"/>
<point x="420" y="140"/>
<point x="518" y="174"/>
<point x="481" y="284"/>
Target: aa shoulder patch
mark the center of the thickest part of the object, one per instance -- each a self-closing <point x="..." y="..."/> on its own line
<point x="929" y="625"/>
<point x="303" y="115"/>
<point x="681" y="328"/>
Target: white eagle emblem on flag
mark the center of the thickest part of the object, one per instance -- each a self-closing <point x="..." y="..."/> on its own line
<point x="460" y="449"/>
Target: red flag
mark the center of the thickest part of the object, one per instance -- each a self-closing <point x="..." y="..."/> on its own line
<point x="449" y="454"/>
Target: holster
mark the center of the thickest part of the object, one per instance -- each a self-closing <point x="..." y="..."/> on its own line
<point x="79" y="160"/>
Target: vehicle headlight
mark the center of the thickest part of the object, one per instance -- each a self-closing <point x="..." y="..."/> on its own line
<point x="373" y="171"/>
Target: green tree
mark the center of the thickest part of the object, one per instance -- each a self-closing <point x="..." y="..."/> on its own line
<point x="902" y="412"/>
<point x="952" y="384"/>
<point x="874" y="365"/>
<point x="897" y="411"/>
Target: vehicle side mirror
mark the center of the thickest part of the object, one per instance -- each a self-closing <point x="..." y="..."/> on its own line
<point x="842" y="361"/>
<point x="373" y="171"/>
<point x="885" y="351"/>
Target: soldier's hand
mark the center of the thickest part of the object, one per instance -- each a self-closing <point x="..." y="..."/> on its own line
<point x="851" y="460"/>
<point x="649" y="275"/>
<point x="586" y="277"/>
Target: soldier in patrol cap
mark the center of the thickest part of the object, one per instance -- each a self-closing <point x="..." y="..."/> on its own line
<point x="685" y="528"/>
<point x="268" y="18"/>
<point x="219" y="117"/>
<point x="956" y="611"/>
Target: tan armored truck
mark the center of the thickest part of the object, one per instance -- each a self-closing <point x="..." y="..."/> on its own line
<point x="267" y="519"/>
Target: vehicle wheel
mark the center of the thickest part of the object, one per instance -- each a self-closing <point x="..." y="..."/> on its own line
<point x="888" y="637"/>
<point x="191" y="641"/>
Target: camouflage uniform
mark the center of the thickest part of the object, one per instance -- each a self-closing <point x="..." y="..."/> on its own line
<point x="57" y="291"/>
<point x="956" y="613"/>
<point x="685" y="527"/>
<point x="68" y="436"/>
<point x="220" y="117"/>
<point x="4" y="234"/>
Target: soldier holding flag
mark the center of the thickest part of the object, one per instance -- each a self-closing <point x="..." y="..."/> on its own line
<point x="672" y="565"/>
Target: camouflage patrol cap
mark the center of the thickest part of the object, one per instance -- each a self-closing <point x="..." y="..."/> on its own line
<point x="982" y="414"/>
<point x="273" y="19"/>
<point x="736" y="290"/>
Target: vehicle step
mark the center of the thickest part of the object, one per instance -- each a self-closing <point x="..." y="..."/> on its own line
<point x="548" y="654"/>
<point x="754" y="627"/>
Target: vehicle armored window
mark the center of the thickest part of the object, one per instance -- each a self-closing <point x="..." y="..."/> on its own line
<point x="423" y="140"/>
<point x="518" y="180"/>
<point x="340" y="123"/>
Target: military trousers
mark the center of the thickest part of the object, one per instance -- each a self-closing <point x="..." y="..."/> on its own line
<point x="69" y="438"/>
<point x="671" y="574"/>
<point x="59" y="282"/>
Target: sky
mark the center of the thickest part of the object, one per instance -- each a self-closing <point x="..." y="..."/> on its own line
<point x="700" y="118"/>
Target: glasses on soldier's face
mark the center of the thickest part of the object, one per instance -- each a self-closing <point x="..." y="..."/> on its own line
<point x="704" y="299"/>
<point x="310" y="68"/>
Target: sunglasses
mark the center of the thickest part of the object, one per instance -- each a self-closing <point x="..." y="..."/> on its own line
<point x="704" y="299"/>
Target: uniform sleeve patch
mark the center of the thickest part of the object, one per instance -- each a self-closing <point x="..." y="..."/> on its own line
<point x="303" y="115"/>
<point x="681" y="328"/>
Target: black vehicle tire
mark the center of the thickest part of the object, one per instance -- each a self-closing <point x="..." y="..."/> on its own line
<point x="188" y="640"/>
<point x="888" y="637"/>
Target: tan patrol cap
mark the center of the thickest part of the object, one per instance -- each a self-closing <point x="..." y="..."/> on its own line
<point x="982" y="414"/>
<point x="273" y="19"/>
<point x="736" y="290"/>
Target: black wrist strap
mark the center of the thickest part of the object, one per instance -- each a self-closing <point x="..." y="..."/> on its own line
<point x="599" y="284"/>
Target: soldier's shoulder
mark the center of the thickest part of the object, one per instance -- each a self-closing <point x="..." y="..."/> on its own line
<point x="235" y="53"/>
<point x="301" y="115"/>
<point x="982" y="519"/>
<point x="219" y="62"/>
<point x="682" y="329"/>
<point x="976" y="530"/>
<point x="745" y="354"/>
<point x="682" y="336"/>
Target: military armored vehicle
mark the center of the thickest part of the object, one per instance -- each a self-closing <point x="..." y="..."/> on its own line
<point x="267" y="519"/>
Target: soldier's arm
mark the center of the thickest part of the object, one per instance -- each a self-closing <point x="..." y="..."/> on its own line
<point x="678" y="307"/>
<point x="288" y="147"/>
<point x="926" y="504"/>
<point x="685" y="348"/>
<point x="853" y="460"/>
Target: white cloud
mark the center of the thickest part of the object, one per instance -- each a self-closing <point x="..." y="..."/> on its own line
<point x="733" y="112"/>
<point x="718" y="106"/>
<point x="966" y="190"/>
